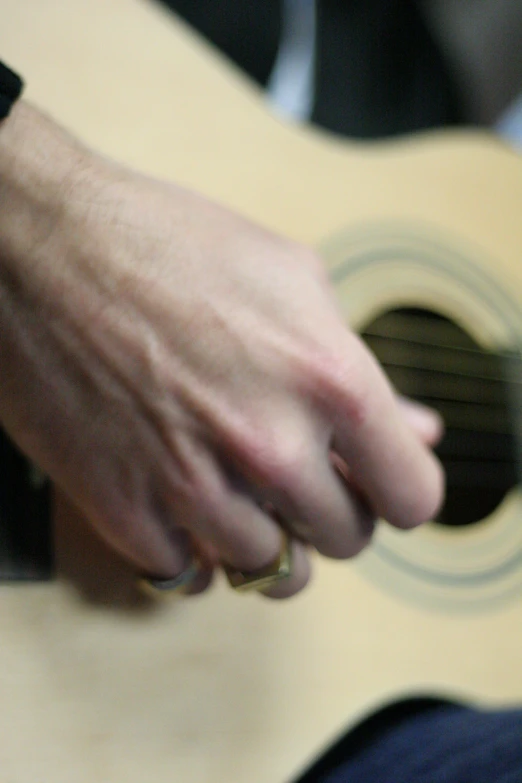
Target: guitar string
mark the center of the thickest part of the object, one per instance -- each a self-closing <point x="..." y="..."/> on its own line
<point x="463" y="400"/>
<point x="414" y="328"/>
<point x="460" y="372"/>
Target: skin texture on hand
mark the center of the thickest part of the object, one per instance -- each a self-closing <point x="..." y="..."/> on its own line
<point x="175" y="368"/>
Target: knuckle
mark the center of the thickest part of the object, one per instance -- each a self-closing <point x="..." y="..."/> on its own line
<point x="276" y="460"/>
<point x="283" y="462"/>
<point x="343" y="380"/>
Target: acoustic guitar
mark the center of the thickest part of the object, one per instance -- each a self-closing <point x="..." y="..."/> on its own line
<point x="423" y="241"/>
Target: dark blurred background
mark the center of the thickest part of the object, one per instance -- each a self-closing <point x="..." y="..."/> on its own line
<point x="375" y="68"/>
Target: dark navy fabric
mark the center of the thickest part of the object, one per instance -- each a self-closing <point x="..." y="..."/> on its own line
<point x="438" y="743"/>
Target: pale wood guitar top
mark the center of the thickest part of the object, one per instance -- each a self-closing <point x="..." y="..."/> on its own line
<point x="98" y="686"/>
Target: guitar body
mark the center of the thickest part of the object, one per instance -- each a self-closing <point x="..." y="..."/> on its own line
<point x="99" y="684"/>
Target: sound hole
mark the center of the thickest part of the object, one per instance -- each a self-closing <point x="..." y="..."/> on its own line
<point x="431" y="359"/>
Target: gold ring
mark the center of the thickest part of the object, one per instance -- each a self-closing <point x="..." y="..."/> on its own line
<point x="155" y="587"/>
<point x="279" y="569"/>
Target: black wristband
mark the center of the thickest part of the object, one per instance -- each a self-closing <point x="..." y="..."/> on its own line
<point x="11" y="87"/>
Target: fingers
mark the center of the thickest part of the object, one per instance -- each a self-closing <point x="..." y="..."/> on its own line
<point x="316" y="505"/>
<point x="315" y="501"/>
<point x="251" y="540"/>
<point x="399" y="476"/>
<point x="322" y="502"/>
<point x="426" y="422"/>
<point x="238" y="531"/>
<point x="157" y="549"/>
<point x="320" y="507"/>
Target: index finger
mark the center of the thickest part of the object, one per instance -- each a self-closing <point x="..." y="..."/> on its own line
<point x="401" y="478"/>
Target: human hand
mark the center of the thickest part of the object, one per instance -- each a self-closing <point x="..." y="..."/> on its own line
<point x="175" y="368"/>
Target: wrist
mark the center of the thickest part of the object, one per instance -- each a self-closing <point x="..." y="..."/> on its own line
<point x="38" y="166"/>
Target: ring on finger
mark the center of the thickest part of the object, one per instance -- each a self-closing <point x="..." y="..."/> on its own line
<point x="157" y="587"/>
<point x="263" y="578"/>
